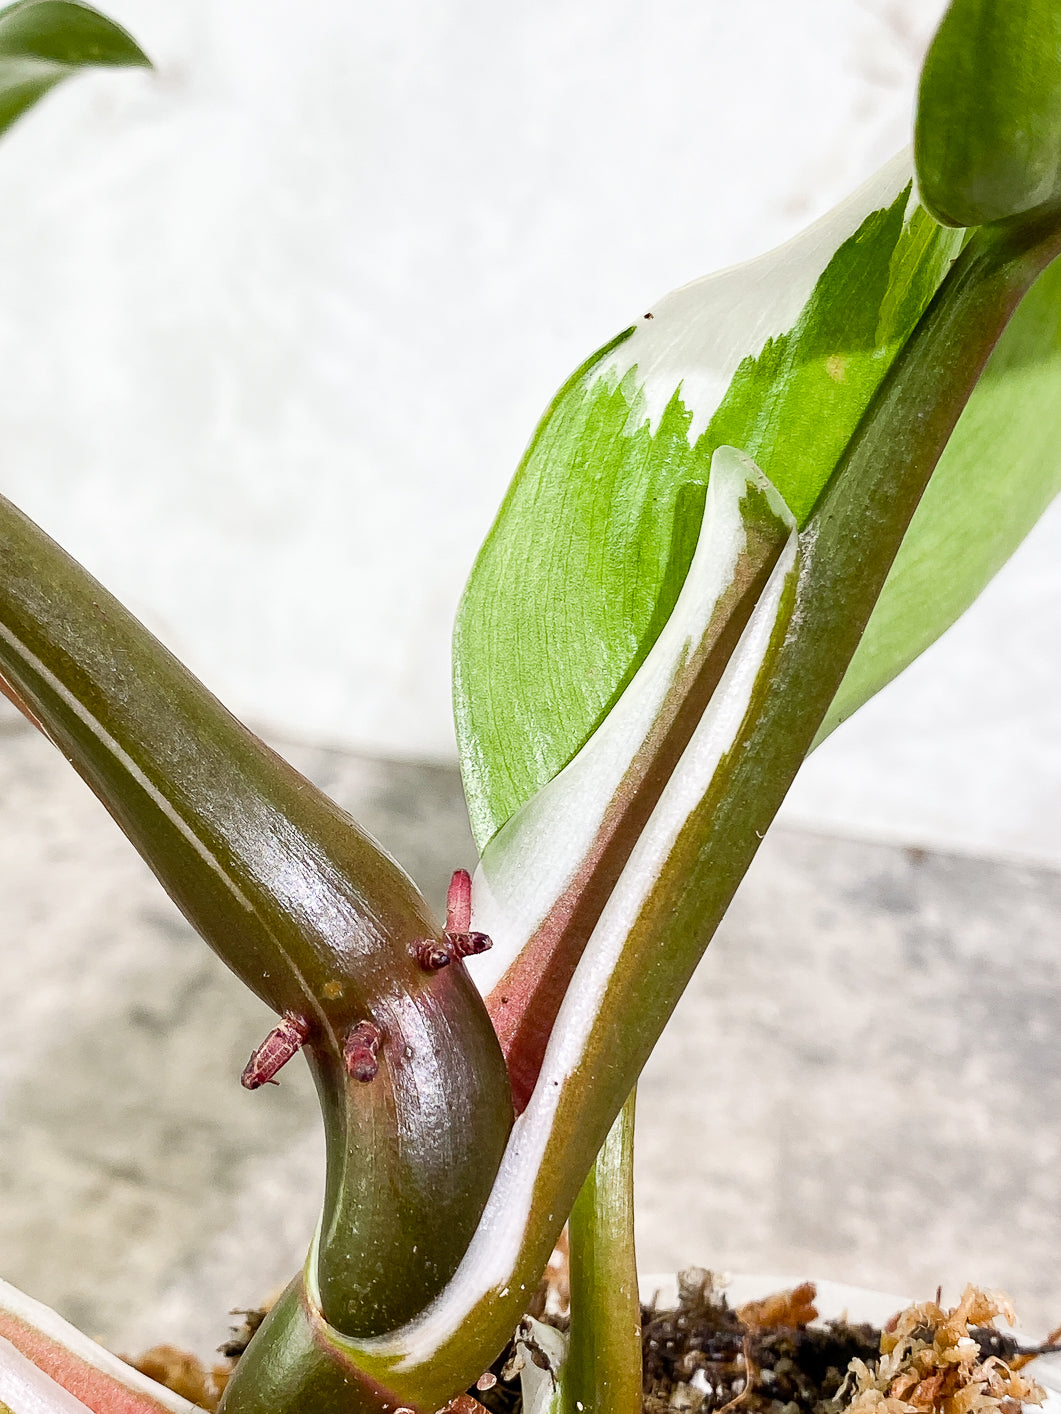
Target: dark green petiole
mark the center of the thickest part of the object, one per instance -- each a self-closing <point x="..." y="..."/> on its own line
<point x="302" y="905"/>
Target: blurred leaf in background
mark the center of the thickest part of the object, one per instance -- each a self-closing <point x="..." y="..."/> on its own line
<point x="43" y="42"/>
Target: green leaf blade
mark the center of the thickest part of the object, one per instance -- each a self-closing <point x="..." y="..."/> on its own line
<point x="999" y="472"/>
<point x="794" y="408"/>
<point x="716" y="808"/>
<point x="988" y="132"/>
<point x="43" y="42"/>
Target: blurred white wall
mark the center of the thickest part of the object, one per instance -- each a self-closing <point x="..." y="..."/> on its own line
<point x="276" y="322"/>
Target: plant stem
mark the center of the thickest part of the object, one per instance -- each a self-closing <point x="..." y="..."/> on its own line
<point x="846" y="550"/>
<point x="602" y="1374"/>
<point x="300" y="903"/>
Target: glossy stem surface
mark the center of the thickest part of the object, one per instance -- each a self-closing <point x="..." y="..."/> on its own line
<point x="291" y="1367"/>
<point x="300" y="903"/>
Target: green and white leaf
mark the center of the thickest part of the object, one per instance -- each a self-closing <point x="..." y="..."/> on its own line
<point x="778" y="358"/>
<point x="586" y="567"/>
<point x="687" y="860"/>
<point x="593" y="542"/>
<point x="43" y="42"/>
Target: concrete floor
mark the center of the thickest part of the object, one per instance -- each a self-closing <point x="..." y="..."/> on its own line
<point x="863" y="1082"/>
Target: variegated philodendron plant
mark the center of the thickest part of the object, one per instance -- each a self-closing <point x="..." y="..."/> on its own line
<point x="735" y="523"/>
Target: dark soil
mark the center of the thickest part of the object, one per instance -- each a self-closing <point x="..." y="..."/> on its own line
<point x="702" y="1356"/>
<point x="697" y="1354"/>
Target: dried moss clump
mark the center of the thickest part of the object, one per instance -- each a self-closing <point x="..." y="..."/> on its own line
<point x="703" y="1357"/>
<point x="934" y="1361"/>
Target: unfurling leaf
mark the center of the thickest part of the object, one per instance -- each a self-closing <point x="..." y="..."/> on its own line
<point x="547" y="875"/>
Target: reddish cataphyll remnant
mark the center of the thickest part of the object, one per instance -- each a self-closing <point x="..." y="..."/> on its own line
<point x="468" y="944"/>
<point x="457" y="941"/>
<point x="360" y="1051"/>
<point x="432" y="955"/>
<point x="459" y="918"/>
<point x="282" y="1042"/>
<point x="459" y="903"/>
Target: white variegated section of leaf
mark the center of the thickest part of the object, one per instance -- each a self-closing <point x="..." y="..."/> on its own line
<point x="535" y="857"/>
<point x="700" y="334"/>
<point x="67" y="1338"/>
<point x="493" y="1254"/>
<point x="26" y="1390"/>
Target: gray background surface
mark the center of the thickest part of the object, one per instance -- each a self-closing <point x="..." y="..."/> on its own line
<point x="863" y="1081"/>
